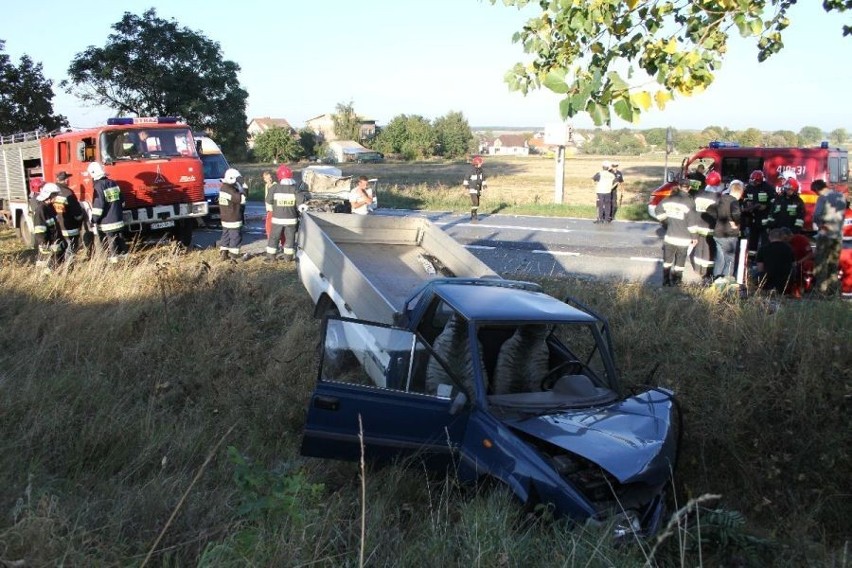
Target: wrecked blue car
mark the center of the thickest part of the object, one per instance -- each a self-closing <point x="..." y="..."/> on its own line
<point x="497" y="382"/>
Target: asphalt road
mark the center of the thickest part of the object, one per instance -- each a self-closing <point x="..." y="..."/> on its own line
<point x="522" y="246"/>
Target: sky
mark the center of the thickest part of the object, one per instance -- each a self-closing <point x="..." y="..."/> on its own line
<point x="299" y="59"/>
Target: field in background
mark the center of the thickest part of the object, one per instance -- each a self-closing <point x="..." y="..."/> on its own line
<point x="152" y="411"/>
<point x="516" y="185"/>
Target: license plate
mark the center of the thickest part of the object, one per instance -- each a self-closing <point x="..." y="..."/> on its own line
<point x="162" y="225"/>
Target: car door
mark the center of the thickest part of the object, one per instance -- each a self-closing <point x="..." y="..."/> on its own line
<point x="372" y="387"/>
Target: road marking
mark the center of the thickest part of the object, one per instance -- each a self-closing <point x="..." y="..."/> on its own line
<point x="503" y="227"/>
<point x="645" y="259"/>
<point x="556" y="252"/>
<point x="479" y="247"/>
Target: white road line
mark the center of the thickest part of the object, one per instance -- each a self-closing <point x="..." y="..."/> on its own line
<point x="479" y="247"/>
<point x="504" y="227"/>
<point x="556" y="252"/>
<point x="645" y="259"/>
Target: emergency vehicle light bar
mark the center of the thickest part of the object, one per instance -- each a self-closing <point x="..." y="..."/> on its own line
<point x="720" y="144"/>
<point x="142" y="120"/>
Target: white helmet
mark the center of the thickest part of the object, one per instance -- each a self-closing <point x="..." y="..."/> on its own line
<point x="605" y="165"/>
<point x="231" y="175"/>
<point x="47" y="190"/>
<point x="96" y="170"/>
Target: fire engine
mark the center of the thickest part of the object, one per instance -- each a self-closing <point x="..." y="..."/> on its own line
<point x="152" y="159"/>
<point x="733" y="161"/>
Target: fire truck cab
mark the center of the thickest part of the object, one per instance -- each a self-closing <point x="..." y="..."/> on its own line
<point x="152" y="159"/>
<point x="733" y="161"/>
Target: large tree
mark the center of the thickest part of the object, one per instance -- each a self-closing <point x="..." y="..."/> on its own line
<point x="590" y="50"/>
<point x="277" y="145"/>
<point x="453" y="135"/>
<point x="151" y="66"/>
<point x="410" y="136"/>
<point x="26" y="97"/>
<point x="347" y="125"/>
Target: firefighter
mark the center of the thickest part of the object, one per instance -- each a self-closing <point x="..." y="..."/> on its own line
<point x="676" y="213"/>
<point x="46" y="229"/>
<point x="107" y="211"/>
<point x="283" y="201"/>
<point x="788" y="209"/>
<point x="231" y="199"/>
<point x="69" y="215"/>
<point x="475" y="183"/>
<point x="702" y="226"/>
<point x="757" y="204"/>
<point x="618" y="179"/>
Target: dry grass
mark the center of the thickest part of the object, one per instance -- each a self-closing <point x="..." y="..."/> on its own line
<point x="116" y="382"/>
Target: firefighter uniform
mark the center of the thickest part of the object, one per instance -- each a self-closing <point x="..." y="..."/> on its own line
<point x="702" y="226"/>
<point x="788" y="210"/>
<point x="283" y="200"/>
<point x="757" y="204"/>
<point x="45" y="227"/>
<point x="475" y="183"/>
<point x="676" y="213"/>
<point x="230" y="201"/>
<point x="108" y="212"/>
<point x="69" y="215"/>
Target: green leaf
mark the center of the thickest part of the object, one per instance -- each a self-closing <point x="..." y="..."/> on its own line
<point x="623" y="110"/>
<point x="618" y="84"/>
<point x="598" y="112"/>
<point x="565" y="108"/>
<point x="555" y="81"/>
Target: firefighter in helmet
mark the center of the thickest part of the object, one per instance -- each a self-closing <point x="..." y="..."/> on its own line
<point x="283" y="201"/>
<point x="702" y="227"/>
<point x="69" y="215"/>
<point x="757" y="204"/>
<point x="45" y="227"/>
<point x="107" y="211"/>
<point x="788" y="209"/>
<point x="475" y="183"/>
<point x="231" y="199"/>
<point x="676" y="213"/>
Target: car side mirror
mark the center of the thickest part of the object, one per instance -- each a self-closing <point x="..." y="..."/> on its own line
<point x="459" y="402"/>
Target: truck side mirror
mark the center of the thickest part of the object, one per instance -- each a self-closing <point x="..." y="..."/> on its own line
<point x="459" y="402"/>
<point x="670" y="176"/>
<point x="81" y="151"/>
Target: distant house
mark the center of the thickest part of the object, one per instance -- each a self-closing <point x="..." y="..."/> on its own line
<point x="508" y="145"/>
<point x="323" y="127"/>
<point x="260" y="125"/>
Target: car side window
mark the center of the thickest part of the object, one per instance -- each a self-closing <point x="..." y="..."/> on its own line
<point x="379" y="356"/>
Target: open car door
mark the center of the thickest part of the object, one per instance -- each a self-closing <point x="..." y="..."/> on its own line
<point x="372" y="382"/>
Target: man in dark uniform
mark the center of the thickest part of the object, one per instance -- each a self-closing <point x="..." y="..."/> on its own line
<point x="231" y="199"/>
<point x="788" y="209"/>
<point x="108" y="211"/>
<point x="757" y="203"/>
<point x="475" y="183"/>
<point x="619" y="179"/>
<point x="704" y="253"/>
<point x="69" y="214"/>
<point x="283" y="201"/>
<point x="676" y="212"/>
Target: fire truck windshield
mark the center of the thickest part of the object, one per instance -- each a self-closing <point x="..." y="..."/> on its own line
<point x="143" y="144"/>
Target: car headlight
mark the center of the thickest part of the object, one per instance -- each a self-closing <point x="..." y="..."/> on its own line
<point x="626" y="524"/>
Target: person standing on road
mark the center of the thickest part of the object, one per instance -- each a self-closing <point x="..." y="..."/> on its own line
<point x="475" y="183"/>
<point x="69" y="215"/>
<point x="829" y="214"/>
<point x="283" y="201"/>
<point x="361" y="198"/>
<point x="676" y="213"/>
<point x="231" y="199"/>
<point x="726" y="231"/>
<point x="46" y="228"/>
<point x="108" y="211"/>
<point x="619" y="179"/>
<point x="604" y="182"/>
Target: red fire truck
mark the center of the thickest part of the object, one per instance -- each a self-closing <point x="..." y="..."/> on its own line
<point x="733" y="161"/>
<point x="153" y="159"/>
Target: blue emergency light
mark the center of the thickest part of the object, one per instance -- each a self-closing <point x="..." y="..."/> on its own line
<point x="823" y="144"/>
<point x="126" y="120"/>
<point x="720" y="144"/>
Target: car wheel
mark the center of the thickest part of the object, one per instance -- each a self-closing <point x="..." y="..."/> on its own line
<point x="25" y="231"/>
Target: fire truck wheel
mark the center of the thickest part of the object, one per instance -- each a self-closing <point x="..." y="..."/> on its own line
<point x="25" y="232"/>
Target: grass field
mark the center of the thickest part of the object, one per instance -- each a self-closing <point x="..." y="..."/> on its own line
<point x="516" y="185"/>
<point x="151" y="414"/>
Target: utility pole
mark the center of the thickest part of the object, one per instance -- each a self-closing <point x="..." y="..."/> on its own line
<point x="669" y="149"/>
<point x="558" y="135"/>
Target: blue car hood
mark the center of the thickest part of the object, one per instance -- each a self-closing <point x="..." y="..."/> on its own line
<point x="632" y="439"/>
